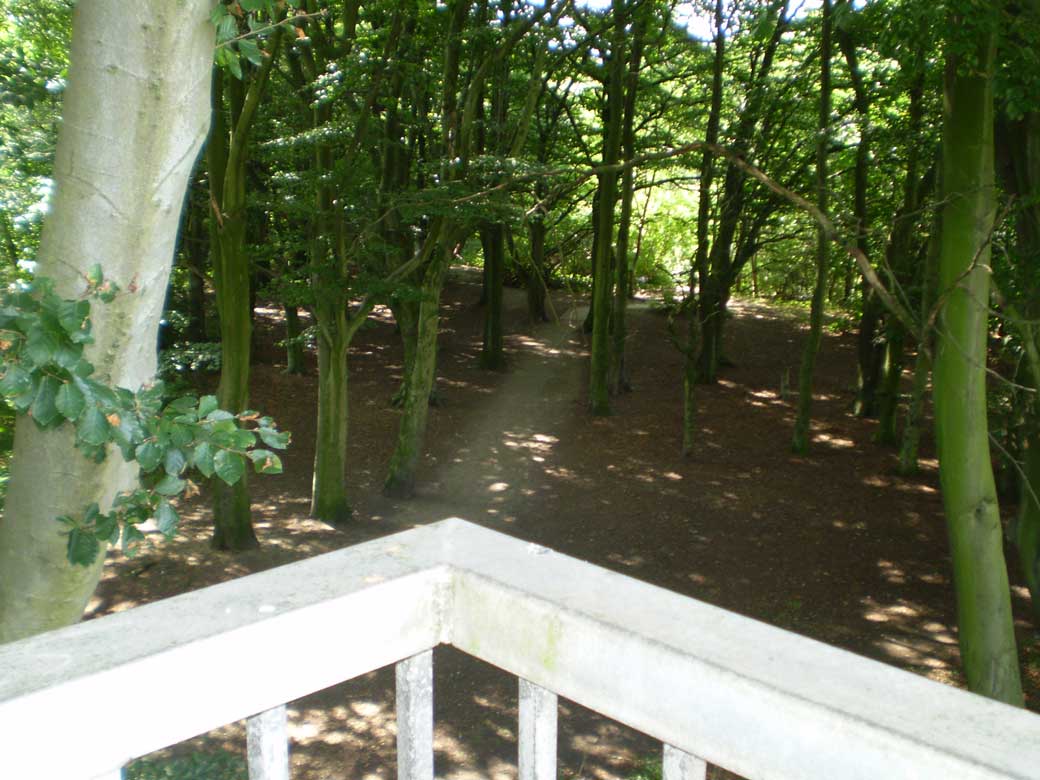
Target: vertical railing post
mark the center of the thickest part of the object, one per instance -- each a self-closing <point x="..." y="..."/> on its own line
<point x="415" y="717"/>
<point x="538" y="715"/>
<point x="267" y="745"/>
<point x="679" y="765"/>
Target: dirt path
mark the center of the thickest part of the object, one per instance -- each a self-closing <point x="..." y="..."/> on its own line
<point x="834" y="545"/>
<point x="501" y="452"/>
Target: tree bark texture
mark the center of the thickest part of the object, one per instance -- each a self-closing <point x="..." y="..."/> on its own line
<point x="135" y="114"/>
<point x="986" y="632"/>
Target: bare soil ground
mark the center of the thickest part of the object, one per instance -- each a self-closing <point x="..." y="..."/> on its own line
<point x="834" y="545"/>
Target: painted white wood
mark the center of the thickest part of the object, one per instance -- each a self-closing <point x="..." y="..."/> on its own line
<point x="415" y="717"/>
<point x="678" y="765"/>
<point x="171" y="670"/>
<point x="537" y="739"/>
<point x="736" y="693"/>
<point x="267" y="745"/>
<point x="739" y="694"/>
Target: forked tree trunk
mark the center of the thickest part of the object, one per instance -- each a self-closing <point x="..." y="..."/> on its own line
<point x="227" y="155"/>
<point x="400" y="481"/>
<point x="135" y="114"/>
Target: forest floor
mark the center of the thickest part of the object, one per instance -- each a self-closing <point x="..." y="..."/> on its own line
<point x="833" y="545"/>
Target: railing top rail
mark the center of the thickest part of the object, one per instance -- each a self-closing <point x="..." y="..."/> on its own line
<point x="738" y="693"/>
<point x="81" y="701"/>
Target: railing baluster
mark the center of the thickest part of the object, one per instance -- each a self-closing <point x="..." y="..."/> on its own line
<point x="415" y="717"/>
<point x="538" y="708"/>
<point x="679" y="765"/>
<point x="267" y="745"/>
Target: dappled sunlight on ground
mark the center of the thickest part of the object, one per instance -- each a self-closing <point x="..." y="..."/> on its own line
<point x="833" y="544"/>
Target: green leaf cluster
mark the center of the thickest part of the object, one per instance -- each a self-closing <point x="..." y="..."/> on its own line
<point x="240" y="25"/>
<point x="204" y="765"/>
<point x="46" y="376"/>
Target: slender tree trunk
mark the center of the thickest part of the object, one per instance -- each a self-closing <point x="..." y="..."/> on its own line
<point x="690" y="379"/>
<point x="195" y="261"/>
<point x="986" y="631"/>
<point x="619" y="378"/>
<point x="867" y="352"/>
<point x="599" y="372"/>
<point x="294" y="362"/>
<point x="908" y="451"/>
<point x="122" y="210"/>
<point x="328" y="495"/>
<point x="697" y="359"/>
<point x="892" y="371"/>
<point x="492" y="238"/>
<point x="800" y="444"/>
<point x="868" y="355"/>
<point x="232" y="523"/>
<point x="590" y="316"/>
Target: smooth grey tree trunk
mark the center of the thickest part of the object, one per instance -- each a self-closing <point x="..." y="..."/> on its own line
<point x="135" y="114"/>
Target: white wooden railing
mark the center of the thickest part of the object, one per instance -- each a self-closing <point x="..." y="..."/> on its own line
<point x="714" y="687"/>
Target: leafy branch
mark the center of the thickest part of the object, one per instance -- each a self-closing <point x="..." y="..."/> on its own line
<point x="46" y="377"/>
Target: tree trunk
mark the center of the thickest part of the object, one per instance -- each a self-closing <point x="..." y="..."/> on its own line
<point x="232" y="521"/>
<point x="868" y="355"/>
<point x="732" y="206"/>
<point x="986" y="631"/>
<point x="603" y="281"/>
<point x="800" y="443"/>
<point x="707" y="362"/>
<point x="294" y="360"/>
<point x="1027" y="524"/>
<point x="328" y="490"/>
<point x="195" y="261"/>
<point x="619" y="378"/>
<point x="117" y="204"/>
<point x="535" y="277"/>
<point x="1019" y="146"/>
<point x="923" y="364"/>
<point x="406" y="313"/>
<point x="400" y="481"/>
<point x="492" y="239"/>
<point x="892" y="371"/>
